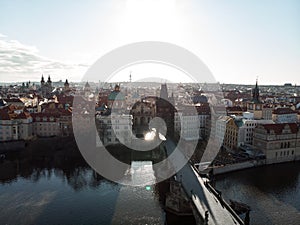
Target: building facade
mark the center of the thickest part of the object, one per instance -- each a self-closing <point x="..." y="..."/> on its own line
<point x="187" y="124"/>
<point x="46" y="124"/>
<point x="143" y="112"/>
<point x="114" y="128"/>
<point x="285" y="115"/>
<point x="14" y="127"/>
<point x="279" y="142"/>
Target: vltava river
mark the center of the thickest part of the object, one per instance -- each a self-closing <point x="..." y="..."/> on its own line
<point x="57" y="187"/>
<point x="272" y="192"/>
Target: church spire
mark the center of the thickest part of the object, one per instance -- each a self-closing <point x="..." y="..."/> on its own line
<point x="49" y="79"/>
<point x="42" y="80"/>
<point x="255" y="93"/>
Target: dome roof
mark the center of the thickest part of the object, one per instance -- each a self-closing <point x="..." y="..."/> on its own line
<point x="116" y="95"/>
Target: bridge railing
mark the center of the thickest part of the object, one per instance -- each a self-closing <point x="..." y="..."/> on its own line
<point x="218" y="195"/>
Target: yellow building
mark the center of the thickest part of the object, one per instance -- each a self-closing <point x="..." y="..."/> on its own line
<point x="231" y="135"/>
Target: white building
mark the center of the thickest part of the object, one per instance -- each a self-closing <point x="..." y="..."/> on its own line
<point x="6" y="129"/>
<point x="15" y="127"/>
<point x="114" y="128"/>
<point x="46" y="125"/>
<point x="284" y="115"/>
<point x="187" y="125"/>
<point x="246" y="125"/>
<point x="191" y="122"/>
<point x="221" y="123"/>
<point x="25" y="127"/>
<point x="204" y="116"/>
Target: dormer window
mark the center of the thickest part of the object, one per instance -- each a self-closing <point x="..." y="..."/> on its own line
<point x="45" y="119"/>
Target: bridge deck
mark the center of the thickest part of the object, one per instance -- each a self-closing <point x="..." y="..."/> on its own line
<point x="202" y="197"/>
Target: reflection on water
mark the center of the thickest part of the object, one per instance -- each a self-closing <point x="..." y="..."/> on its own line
<point x="273" y="192"/>
<point x="58" y="187"/>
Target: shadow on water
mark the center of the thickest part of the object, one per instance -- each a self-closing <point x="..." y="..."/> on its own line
<point x="49" y="182"/>
<point x="41" y="160"/>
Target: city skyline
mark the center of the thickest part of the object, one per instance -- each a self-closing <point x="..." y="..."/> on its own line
<point x="237" y="41"/>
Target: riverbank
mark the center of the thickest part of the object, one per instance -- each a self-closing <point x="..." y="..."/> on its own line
<point x="41" y="143"/>
<point x="8" y="146"/>
<point x="216" y="170"/>
<point x="237" y="166"/>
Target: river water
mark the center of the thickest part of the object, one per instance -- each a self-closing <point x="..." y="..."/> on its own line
<point x="57" y="187"/>
<point x="60" y="188"/>
<point x="272" y="192"/>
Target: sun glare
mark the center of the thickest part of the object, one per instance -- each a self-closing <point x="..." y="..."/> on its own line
<point x="150" y="19"/>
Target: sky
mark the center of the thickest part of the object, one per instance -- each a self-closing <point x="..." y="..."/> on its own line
<point x="237" y="40"/>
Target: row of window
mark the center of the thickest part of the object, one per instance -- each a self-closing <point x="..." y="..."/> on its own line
<point x="284" y="144"/>
<point x="251" y="124"/>
<point x="45" y="119"/>
<point x="284" y="153"/>
<point x="4" y="127"/>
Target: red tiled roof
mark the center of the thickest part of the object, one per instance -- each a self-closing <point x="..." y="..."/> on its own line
<point x="203" y="109"/>
<point x="23" y="115"/>
<point x="268" y="106"/>
<point x="43" y="115"/>
<point x="13" y="100"/>
<point x="278" y="127"/>
<point x="59" y="111"/>
<point x="63" y="99"/>
<point x="4" y="115"/>
<point x="235" y="108"/>
<point x="283" y="111"/>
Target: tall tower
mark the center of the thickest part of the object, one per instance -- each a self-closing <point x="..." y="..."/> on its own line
<point x="42" y="81"/>
<point x="66" y="85"/>
<point x="87" y="89"/>
<point x="164" y="91"/>
<point x="46" y="87"/>
<point x="255" y="93"/>
<point x="49" y="82"/>
<point x="255" y="105"/>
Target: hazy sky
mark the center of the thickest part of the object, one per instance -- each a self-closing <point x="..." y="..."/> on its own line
<point x="237" y="40"/>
